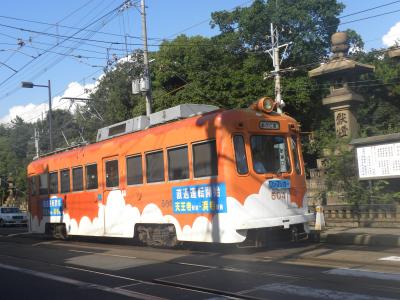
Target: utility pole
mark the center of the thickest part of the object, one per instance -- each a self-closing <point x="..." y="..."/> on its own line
<point x="50" y="117"/>
<point x="37" y="143"/>
<point x="146" y="60"/>
<point x="276" y="61"/>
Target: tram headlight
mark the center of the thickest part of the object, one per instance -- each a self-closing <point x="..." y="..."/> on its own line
<point x="266" y="104"/>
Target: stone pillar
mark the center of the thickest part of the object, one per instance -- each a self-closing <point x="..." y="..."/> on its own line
<point x="345" y="122"/>
<point x="342" y="100"/>
<point x="341" y="73"/>
<point x="10" y="201"/>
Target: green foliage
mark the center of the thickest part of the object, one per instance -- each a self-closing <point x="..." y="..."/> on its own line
<point x="12" y="154"/>
<point x="113" y="99"/>
<point x="380" y="112"/>
<point x="355" y="42"/>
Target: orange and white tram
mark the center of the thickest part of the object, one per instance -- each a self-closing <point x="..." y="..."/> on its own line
<point x="189" y="173"/>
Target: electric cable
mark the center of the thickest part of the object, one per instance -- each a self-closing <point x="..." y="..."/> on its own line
<point x="115" y="10"/>
<point x="369" y="9"/>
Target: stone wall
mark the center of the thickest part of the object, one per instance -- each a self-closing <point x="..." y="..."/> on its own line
<point x="373" y="215"/>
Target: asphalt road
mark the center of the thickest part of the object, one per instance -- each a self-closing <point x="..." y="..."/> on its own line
<point x="33" y="267"/>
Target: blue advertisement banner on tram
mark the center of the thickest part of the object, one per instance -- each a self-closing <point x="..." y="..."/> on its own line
<point x="198" y="199"/>
<point x="53" y="207"/>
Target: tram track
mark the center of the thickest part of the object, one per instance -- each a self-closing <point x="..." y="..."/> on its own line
<point x="205" y="267"/>
<point x="231" y="268"/>
<point x="194" y="276"/>
<point x="289" y="259"/>
<point x="120" y="290"/>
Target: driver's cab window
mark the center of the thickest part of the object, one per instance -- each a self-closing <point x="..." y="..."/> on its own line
<point x="270" y="154"/>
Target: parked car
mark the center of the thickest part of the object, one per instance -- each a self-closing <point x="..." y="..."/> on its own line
<point x="12" y="216"/>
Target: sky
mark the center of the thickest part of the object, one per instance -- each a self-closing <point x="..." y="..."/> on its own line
<point x="34" y="43"/>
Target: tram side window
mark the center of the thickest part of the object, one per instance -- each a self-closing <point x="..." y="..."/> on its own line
<point x="178" y="163"/>
<point x="240" y="155"/>
<point x="64" y="180"/>
<point x="155" y="166"/>
<point x="205" y="159"/>
<point x="112" y="177"/>
<point x="33" y="182"/>
<point x="44" y="184"/>
<point x="295" y="155"/>
<point x="91" y="177"/>
<point x="77" y="179"/>
<point x="134" y="170"/>
<point x="53" y="186"/>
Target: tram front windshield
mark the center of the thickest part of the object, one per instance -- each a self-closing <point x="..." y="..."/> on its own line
<point x="270" y="154"/>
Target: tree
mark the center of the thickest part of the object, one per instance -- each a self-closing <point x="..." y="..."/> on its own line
<point x="380" y="112"/>
<point x="112" y="99"/>
<point x="202" y="70"/>
<point x="21" y="134"/>
<point x="309" y="24"/>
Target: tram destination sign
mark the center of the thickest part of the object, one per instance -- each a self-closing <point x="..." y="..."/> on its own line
<point x="269" y="125"/>
<point x="379" y="161"/>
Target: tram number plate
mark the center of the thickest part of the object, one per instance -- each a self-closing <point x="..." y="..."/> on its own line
<point x="279" y="184"/>
<point x="280" y="195"/>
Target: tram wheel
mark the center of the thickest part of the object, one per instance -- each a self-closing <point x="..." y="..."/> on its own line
<point x="157" y="235"/>
<point x="61" y="232"/>
<point x="56" y="231"/>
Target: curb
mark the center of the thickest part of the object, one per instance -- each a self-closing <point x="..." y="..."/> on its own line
<point x="364" y="239"/>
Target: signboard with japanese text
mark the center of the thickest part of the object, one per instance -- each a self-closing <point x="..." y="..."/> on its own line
<point x="379" y="161"/>
<point x="52" y="207"/>
<point x="198" y="199"/>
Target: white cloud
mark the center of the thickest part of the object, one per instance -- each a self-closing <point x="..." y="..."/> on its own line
<point x="31" y="112"/>
<point x="392" y="36"/>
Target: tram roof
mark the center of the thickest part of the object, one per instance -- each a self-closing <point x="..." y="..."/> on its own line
<point x="171" y="118"/>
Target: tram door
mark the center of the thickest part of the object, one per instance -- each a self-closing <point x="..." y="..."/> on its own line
<point x="298" y="180"/>
<point x="112" y="196"/>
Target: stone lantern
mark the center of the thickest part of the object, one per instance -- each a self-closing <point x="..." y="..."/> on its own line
<point x="339" y="72"/>
<point x="394" y="53"/>
<point x="10" y="201"/>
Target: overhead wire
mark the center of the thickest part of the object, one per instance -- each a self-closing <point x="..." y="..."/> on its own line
<point x="123" y="43"/>
<point x="74" y="27"/>
<point x="55" y="52"/>
<point x="98" y="66"/>
<point x="369" y="9"/>
<point x="92" y="31"/>
<point x="57" y="61"/>
<point x="64" y="18"/>
<point x="115" y="10"/>
<point x="70" y="37"/>
<point x="371" y="17"/>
